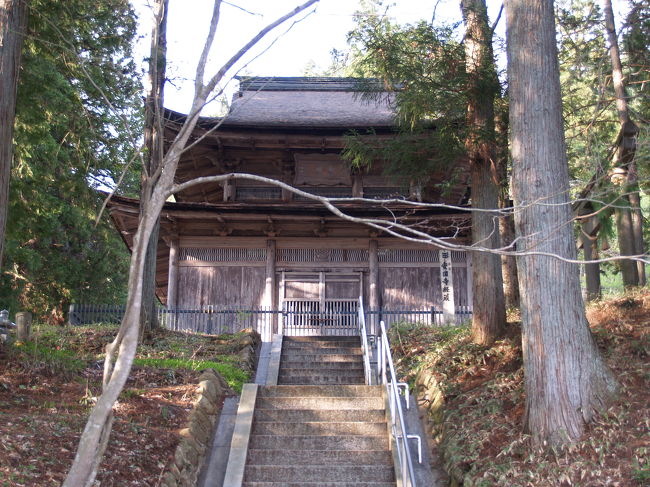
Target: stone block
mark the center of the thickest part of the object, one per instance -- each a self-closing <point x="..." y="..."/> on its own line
<point x="199" y="432"/>
<point x="186" y="454"/>
<point x="169" y="480"/>
<point x="206" y="405"/>
<point x="174" y="470"/>
<point x="198" y="448"/>
<point x="208" y="389"/>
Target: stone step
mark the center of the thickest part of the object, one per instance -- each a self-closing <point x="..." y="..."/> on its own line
<point x="321" y="338"/>
<point x="323" y="428"/>
<point x="323" y="369"/>
<point x="320" y="403"/>
<point x="321" y="357"/>
<point x="318" y="484"/>
<point x="319" y="457"/>
<point x="342" y="442"/>
<point x="306" y="415"/>
<point x="316" y="473"/>
<point x="335" y="377"/>
<point x="318" y="348"/>
<point x="322" y="345"/>
<point x="321" y="380"/>
<point x="354" y="391"/>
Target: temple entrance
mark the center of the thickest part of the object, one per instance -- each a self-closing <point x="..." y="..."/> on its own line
<point x="319" y="303"/>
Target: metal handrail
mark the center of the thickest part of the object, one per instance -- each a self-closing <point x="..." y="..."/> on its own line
<point x="363" y="332"/>
<point x="386" y="375"/>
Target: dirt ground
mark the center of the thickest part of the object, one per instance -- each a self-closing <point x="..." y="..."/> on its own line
<point x="41" y="419"/>
<point x="484" y="440"/>
<point x="46" y="393"/>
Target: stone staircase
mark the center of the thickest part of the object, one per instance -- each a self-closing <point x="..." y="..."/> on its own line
<point x="321" y="361"/>
<point x="321" y="426"/>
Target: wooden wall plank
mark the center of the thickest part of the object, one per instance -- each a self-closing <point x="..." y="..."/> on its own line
<point x="411" y="288"/>
<point x="241" y="286"/>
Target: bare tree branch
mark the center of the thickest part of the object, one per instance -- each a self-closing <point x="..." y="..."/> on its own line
<point x="393" y="227"/>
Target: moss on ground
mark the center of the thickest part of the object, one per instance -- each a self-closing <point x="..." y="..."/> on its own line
<point x="68" y="350"/>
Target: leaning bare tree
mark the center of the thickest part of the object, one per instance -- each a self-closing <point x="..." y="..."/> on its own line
<point x="13" y="21"/>
<point x="121" y="352"/>
<point x="566" y="380"/>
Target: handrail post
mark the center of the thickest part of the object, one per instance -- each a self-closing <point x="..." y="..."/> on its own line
<point x="398" y="425"/>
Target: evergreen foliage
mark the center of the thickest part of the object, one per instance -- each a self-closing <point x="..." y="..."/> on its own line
<point x="424" y="66"/>
<point x="636" y="37"/>
<point x="589" y="110"/>
<point x="77" y="79"/>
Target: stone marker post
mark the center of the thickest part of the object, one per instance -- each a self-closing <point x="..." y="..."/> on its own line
<point x="23" y="326"/>
<point x="447" y="287"/>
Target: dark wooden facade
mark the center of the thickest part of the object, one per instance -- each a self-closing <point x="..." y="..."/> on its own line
<point x="249" y="245"/>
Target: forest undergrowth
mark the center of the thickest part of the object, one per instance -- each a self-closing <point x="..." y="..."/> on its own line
<point x="482" y="439"/>
<point x="48" y="385"/>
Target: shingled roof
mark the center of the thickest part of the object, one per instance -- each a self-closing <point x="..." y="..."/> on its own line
<point x="311" y="103"/>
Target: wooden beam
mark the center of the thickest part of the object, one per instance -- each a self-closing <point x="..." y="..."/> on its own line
<point x="357" y="186"/>
<point x="172" y="280"/>
<point x="229" y="190"/>
<point x="270" y="285"/>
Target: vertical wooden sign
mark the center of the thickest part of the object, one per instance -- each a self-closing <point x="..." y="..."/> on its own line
<point x="447" y="287"/>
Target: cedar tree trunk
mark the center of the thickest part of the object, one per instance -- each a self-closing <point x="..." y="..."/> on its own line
<point x="13" y="20"/>
<point x="590" y="248"/>
<point x="153" y="139"/>
<point x="489" y="316"/>
<point x="629" y="219"/>
<point x="506" y="222"/>
<point x="566" y="380"/>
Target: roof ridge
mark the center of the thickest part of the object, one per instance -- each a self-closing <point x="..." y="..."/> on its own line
<point x="308" y="83"/>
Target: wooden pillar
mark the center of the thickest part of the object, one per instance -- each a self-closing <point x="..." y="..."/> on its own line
<point x="374" y="298"/>
<point x="229" y="190"/>
<point x="357" y="186"/>
<point x="269" y="286"/>
<point x="373" y="276"/>
<point x="286" y="195"/>
<point x="469" y="276"/>
<point x="172" y="276"/>
<point x="268" y="301"/>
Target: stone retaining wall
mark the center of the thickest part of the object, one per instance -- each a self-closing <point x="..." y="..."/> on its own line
<point x="193" y="448"/>
<point x="431" y="399"/>
<point x="195" y="438"/>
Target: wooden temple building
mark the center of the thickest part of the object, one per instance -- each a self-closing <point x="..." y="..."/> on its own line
<point x="249" y="245"/>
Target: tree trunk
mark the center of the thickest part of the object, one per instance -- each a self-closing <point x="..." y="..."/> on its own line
<point x="488" y="320"/>
<point x="153" y="139"/>
<point x="508" y="262"/>
<point x="625" y="233"/>
<point x="566" y="380"/>
<point x="629" y="219"/>
<point x="13" y="20"/>
<point x="507" y="221"/>
<point x="590" y="249"/>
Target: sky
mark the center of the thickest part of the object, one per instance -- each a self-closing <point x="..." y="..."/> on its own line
<point x="310" y="41"/>
<point x="287" y="51"/>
